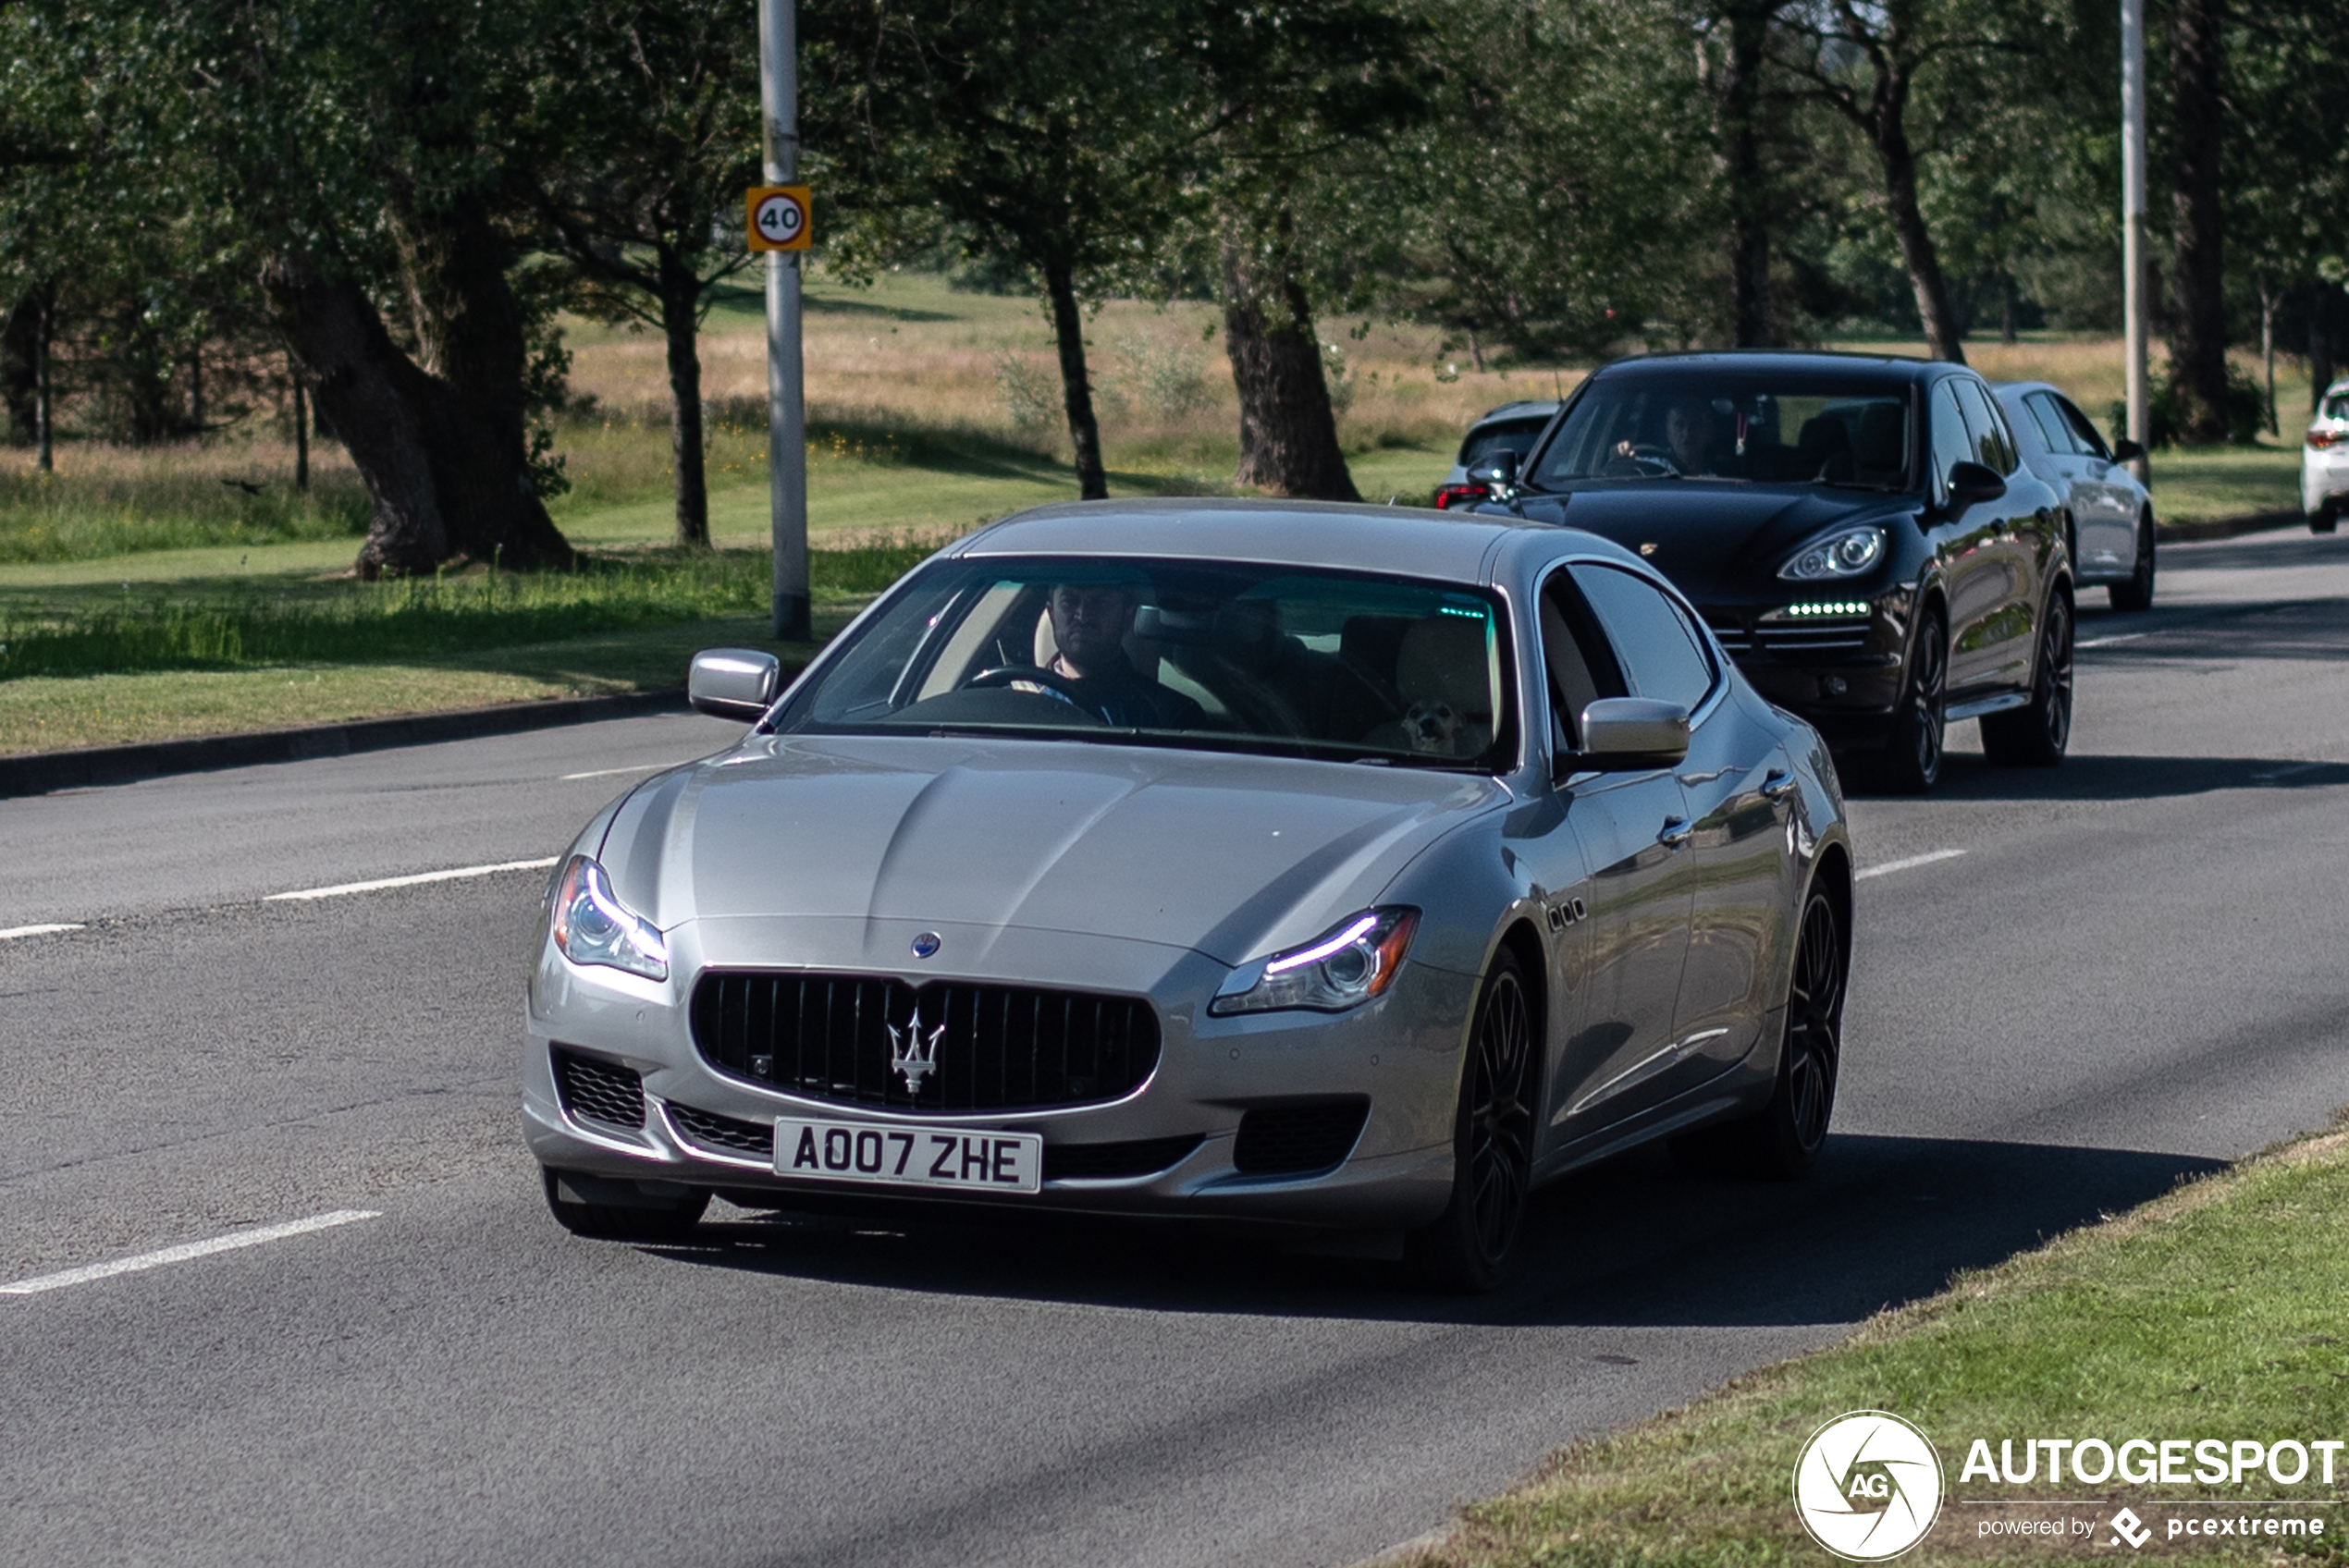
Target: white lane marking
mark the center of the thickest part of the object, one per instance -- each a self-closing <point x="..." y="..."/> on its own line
<point x="1888" y="867"/>
<point x="13" y="932"/>
<point x="2257" y="778"/>
<point x="457" y="874"/>
<point x="182" y="1252"/>
<point x="2107" y="642"/>
<point x="615" y="772"/>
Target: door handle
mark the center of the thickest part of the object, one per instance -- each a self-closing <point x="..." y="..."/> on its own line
<point x="1779" y="785"/>
<point x="1676" y="831"/>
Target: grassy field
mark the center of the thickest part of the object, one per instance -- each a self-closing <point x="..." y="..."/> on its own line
<point x="2214" y="1312"/>
<point x="931" y="412"/>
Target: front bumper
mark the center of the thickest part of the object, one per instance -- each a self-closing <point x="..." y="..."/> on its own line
<point x="1401" y="1054"/>
<point x="2324" y="477"/>
<point x="1841" y="664"/>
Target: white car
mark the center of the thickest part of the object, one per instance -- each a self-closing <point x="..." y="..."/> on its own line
<point x="2324" y="462"/>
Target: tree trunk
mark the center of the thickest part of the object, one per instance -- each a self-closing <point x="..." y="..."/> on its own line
<point x="2268" y="349"/>
<point x="679" y="322"/>
<point x="2198" y="334"/>
<point x="2010" y="304"/>
<point x="45" y="410"/>
<point x="1942" y="333"/>
<point x="1739" y="129"/>
<point x="300" y="433"/>
<point x="1076" y="388"/>
<point x="2320" y="344"/>
<point x="446" y="482"/>
<point x="195" y="392"/>
<point x="17" y="392"/>
<point x="1288" y="432"/>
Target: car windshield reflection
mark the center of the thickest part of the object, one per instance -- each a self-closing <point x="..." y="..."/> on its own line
<point x="1271" y="659"/>
<point x="1694" y="425"/>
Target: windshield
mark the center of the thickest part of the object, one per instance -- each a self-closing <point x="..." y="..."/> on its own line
<point x="1702" y="425"/>
<point x="1271" y="659"/>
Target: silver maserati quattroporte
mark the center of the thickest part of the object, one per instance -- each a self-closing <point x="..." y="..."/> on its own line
<point x="1345" y="867"/>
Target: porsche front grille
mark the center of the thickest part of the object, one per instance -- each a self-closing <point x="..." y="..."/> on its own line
<point x="991" y="1047"/>
<point x="1802" y="642"/>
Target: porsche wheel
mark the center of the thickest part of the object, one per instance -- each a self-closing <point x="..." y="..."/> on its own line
<point x="2037" y="735"/>
<point x="1467" y="1248"/>
<point x="1783" y="1140"/>
<point x="635" y="1216"/>
<point x="1911" y="762"/>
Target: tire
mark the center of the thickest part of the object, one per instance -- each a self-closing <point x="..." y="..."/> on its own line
<point x="1911" y="762"/>
<point x="2137" y="592"/>
<point x="1469" y="1247"/>
<point x="1782" y="1141"/>
<point x="639" y="1218"/>
<point x="2037" y="734"/>
<point x="2325" y="519"/>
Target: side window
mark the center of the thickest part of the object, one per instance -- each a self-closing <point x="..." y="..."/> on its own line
<point x="2085" y="434"/>
<point x="1660" y="655"/>
<point x="2049" y="419"/>
<point x="1952" y="443"/>
<point x="1581" y="666"/>
<point x="1992" y="446"/>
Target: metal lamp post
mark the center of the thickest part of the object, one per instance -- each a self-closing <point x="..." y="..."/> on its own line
<point x="786" y="384"/>
<point x="2133" y="217"/>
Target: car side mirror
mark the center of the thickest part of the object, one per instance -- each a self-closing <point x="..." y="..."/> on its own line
<point x="1497" y="469"/>
<point x="2126" y="451"/>
<point x="1624" y="734"/>
<point x="735" y="682"/>
<point x="1970" y="482"/>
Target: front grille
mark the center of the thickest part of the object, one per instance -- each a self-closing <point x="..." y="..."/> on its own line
<point x="1283" y="1140"/>
<point x="1803" y="641"/>
<point x="1147" y="1158"/>
<point x="598" y="1091"/>
<point x="730" y="1134"/>
<point x="998" y="1048"/>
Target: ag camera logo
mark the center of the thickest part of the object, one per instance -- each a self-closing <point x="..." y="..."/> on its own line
<point x="1868" y="1486"/>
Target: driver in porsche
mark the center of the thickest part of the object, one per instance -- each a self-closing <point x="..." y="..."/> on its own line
<point x="1089" y="624"/>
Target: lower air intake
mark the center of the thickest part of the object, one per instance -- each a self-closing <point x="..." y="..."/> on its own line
<point x="598" y="1091"/>
<point x="1290" y="1139"/>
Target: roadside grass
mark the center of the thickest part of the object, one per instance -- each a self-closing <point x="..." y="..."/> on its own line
<point x="105" y="501"/>
<point x="2207" y="481"/>
<point x="2212" y="1312"/>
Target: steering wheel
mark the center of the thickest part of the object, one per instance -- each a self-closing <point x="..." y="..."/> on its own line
<point x="1046" y="682"/>
<point x="1641" y="463"/>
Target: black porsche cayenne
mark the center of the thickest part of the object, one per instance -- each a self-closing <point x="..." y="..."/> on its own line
<point x="1860" y="532"/>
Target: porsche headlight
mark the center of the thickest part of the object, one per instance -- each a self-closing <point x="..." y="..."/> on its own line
<point x="1848" y="554"/>
<point x="593" y="926"/>
<point x="1344" y="967"/>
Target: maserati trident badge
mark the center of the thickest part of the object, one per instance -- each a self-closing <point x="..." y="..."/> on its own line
<point x="913" y="1057"/>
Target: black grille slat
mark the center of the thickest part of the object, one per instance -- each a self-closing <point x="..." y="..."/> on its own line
<point x="826" y="1036"/>
<point x="731" y="1133"/>
<point x="1290" y="1139"/>
<point x="599" y="1091"/>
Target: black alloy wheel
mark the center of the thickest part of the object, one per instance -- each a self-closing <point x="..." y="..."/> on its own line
<point x="2325" y="519"/>
<point x="1468" y="1246"/>
<point x="1911" y="763"/>
<point x="2137" y="592"/>
<point x="641" y="1218"/>
<point x="1782" y="1141"/>
<point x="2036" y="734"/>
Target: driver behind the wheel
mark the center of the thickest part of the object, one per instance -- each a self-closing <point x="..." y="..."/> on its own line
<point x="1089" y="624"/>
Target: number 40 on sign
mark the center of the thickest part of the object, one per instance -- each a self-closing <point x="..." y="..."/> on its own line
<point x="779" y="218"/>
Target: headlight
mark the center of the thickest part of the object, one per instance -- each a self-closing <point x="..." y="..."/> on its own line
<point x="1344" y="967"/>
<point x="592" y="926"/>
<point x="1847" y="554"/>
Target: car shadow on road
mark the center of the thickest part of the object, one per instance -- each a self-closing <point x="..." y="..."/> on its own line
<point x="1634" y="1243"/>
<point x="1965" y="777"/>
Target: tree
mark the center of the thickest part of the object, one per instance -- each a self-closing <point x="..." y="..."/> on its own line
<point x="1049" y="135"/>
<point x="1740" y="128"/>
<point x="643" y="133"/>
<point x="2198" y="273"/>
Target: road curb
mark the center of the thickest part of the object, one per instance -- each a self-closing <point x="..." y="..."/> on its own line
<point x="40" y="772"/>
<point x="2225" y="527"/>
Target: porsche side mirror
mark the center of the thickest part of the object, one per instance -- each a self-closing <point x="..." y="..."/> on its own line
<point x="2126" y="451"/>
<point x="1622" y="734"/>
<point x="1970" y="482"/>
<point x="1496" y="469"/>
<point x="735" y="682"/>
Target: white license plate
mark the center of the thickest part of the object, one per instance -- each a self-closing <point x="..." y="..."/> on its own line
<point x="976" y="1161"/>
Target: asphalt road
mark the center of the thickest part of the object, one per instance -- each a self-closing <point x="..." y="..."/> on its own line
<point x="2116" y="973"/>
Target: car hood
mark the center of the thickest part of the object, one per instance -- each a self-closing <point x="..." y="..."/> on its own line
<point x="1228" y="856"/>
<point x="1719" y="543"/>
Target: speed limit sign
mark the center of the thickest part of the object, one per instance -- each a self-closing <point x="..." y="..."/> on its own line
<point x="779" y="218"/>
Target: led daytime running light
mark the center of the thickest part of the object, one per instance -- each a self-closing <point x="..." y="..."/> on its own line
<point x="592" y="926"/>
<point x="1321" y="950"/>
<point x="1833" y="607"/>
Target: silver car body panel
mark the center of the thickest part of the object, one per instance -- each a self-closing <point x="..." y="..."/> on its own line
<point x="2106" y="501"/>
<point x="1153" y="871"/>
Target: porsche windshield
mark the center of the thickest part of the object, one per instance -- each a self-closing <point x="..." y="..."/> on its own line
<point x="1793" y="429"/>
<point x="1275" y="659"/>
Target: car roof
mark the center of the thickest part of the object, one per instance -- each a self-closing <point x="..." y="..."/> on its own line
<point x="1524" y="408"/>
<point x="1888" y="368"/>
<point x="1408" y="541"/>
